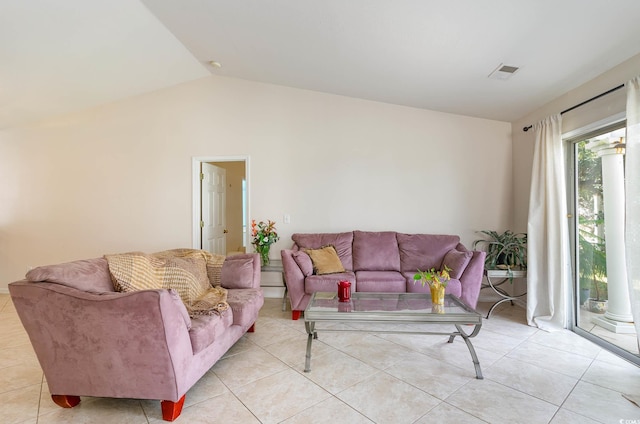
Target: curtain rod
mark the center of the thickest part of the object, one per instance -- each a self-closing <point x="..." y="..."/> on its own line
<point x="525" y="129"/>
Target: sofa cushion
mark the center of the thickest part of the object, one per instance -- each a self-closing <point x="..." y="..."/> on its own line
<point x="325" y="260"/>
<point x="304" y="262"/>
<point x="237" y="273"/>
<point x="375" y="251"/>
<point x="424" y="251"/>
<point x="245" y="304"/>
<point x="456" y="260"/>
<point x="381" y="281"/>
<point x="328" y="282"/>
<point x="206" y="328"/>
<point x="90" y="275"/>
<point x="341" y="241"/>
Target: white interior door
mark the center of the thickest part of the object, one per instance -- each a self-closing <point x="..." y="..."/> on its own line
<point x="213" y="208"/>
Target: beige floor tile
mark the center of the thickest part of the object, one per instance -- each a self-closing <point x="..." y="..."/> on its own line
<point x="4" y="298"/>
<point x="377" y="352"/>
<point x="438" y="378"/>
<point x="385" y="399"/>
<point x="416" y="342"/>
<point x="240" y="346"/>
<point x="624" y="378"/>
<point x="330" y="410"/>
<point x="292" y="351"/>
<point x="509" y="327"/>
<point x="564" y="416"/>
<point x="98" y="410"/>
<point x="337" y="371"/>
<point x="207" y="387"/>
<point x="551" y="359"/>
<point x="600" y="404"/>
<point x="280" y="396"/>
<point x="606" y="356"/>
<point x="247" y="367"/>
<point x="6" y="305"/>
<point x="457" y="353"/>
<point x="21" y="405"/>
<point x="568" y="341"/>
<point x="272" y="332"/>
<point x="445" y="413"/>
<point x="495" y="342"/>
<point x="18" y="355"/>
<point x="46" y="403"/>
<point x="18" y="376"/>
<point x="223" y="409"/>
<point x="498" y="404"/>
<point x="339" y="335"/>
<point x="531" y="380"/>
<point x="628" y="342"/>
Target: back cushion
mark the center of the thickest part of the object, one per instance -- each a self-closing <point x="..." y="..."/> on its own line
<point x="90" y="275"/>
<point x="457" y="260"/>
<point x="341" y="241"/>
<point x="237" y="273"/>
<point x="375" y="251"/>
<point x="424" y="251"/>
<point x="304" y="262"/>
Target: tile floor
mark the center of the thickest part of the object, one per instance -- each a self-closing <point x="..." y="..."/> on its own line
<point x="530" y="377"/>
<point x="628" y="342"/>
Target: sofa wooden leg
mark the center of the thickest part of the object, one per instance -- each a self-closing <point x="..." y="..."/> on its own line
<point x="171" y="410"/>
<point x="66" y="401"/>
<point x="252" y="329"/>
<point x="295" y="315"/>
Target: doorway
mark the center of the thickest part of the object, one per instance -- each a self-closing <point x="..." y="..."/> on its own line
<point x="232" y="204"/>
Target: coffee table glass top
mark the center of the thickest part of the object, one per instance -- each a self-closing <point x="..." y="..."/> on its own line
<point x="409" y="307"/>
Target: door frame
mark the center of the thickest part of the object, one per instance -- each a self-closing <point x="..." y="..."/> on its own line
<point x="195" y="192"/>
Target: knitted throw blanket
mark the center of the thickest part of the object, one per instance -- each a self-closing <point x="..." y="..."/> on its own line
<point x="186" y="271"/>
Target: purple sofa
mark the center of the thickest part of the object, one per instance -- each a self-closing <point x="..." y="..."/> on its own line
<point x="93" y="341"/>
<point x="383" y="261"/>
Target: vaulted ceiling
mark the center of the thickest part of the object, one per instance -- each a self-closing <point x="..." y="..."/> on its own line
<point x="64" y="56"/>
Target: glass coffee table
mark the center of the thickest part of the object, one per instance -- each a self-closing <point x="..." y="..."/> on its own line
<point x="393" y="308"/>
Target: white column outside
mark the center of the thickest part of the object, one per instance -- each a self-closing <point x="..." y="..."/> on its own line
<point x="618" y="315"/>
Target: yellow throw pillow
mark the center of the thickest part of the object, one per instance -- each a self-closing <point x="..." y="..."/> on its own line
<point x="325" y="260"/>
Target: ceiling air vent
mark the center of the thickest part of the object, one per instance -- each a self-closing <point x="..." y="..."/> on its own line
<point x="503" y="72"/>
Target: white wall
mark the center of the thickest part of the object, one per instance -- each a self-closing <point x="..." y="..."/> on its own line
<point x="118" y="177"/>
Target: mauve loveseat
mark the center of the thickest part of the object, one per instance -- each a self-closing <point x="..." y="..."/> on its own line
<point x="93" y="341"/>
<point x="381" y="261"/>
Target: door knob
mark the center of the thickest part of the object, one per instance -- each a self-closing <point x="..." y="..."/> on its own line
<point x="225" y="231"/>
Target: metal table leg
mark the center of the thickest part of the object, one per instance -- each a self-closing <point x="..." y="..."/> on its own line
<point x="506" y="297"/>
<point x="466" y="337"/>
<point x="310" y="326"/>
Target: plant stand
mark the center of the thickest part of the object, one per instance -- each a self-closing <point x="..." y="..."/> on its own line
<point x="501" y="276"/>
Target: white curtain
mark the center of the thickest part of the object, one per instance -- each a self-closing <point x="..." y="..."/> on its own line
<point x="548" y="261"/>
<point x="632" y="192"/>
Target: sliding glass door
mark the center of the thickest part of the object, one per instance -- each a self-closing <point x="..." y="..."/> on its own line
<point x="601" y="302"/>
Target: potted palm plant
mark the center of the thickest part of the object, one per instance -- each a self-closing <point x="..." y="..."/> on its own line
<point x="592" y="270"/>
<point x="507" y="251"/>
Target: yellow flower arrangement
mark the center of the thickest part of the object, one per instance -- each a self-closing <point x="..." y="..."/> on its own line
<point x="433" y="278"/>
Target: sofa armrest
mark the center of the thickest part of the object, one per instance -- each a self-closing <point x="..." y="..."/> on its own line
<point x="471" y="279"/>
<point x="294" y="279"/>
<point x="131" y="345"/>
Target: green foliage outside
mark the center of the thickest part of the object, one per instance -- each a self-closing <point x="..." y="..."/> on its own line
<point x="592" y="255"/>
